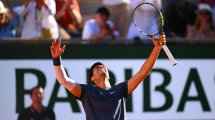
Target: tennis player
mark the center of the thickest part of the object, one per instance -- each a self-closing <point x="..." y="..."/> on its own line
<point x="100" y="100"/>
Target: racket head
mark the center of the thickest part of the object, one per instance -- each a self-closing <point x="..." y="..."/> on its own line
<point x="148" y="19"/>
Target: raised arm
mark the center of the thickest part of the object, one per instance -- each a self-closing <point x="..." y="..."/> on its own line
<point x="147" y="66"/>
<point x="63" y="79"/>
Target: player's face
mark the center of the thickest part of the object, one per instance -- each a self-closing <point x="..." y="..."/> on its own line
<point x="100" y="70"/>
<point x="37" y="95"/>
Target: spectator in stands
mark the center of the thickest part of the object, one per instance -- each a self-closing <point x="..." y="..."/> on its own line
<point x="120" y="11"/>
<point x="204" y="27"/>
<point x="100" y="27"/>
<point x="37" y="111"/>
<point x="212" y="5"/>
<point x="69" y="17"/>
<point x="133" y="33"/>
<point x="38" y="20"/>
<point x="9" y="20"/>
<point x="179" y="16"/>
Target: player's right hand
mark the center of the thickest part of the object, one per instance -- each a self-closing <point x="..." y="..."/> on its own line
<point x="56" y="50"/>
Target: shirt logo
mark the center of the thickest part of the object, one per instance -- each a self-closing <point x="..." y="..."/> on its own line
<point x="112" y="92"/>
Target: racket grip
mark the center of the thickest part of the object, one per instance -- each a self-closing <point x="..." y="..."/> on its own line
<point x="168" y="53"/>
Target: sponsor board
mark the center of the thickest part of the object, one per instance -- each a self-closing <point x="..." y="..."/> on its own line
<point x="183" y="92"/>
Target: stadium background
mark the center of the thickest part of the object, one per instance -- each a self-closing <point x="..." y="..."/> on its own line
<point x="183" y="92"/>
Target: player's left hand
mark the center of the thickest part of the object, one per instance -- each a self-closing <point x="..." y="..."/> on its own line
<point x="160" y="41"/>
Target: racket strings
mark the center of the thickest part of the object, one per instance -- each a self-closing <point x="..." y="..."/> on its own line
<point x="148" y="19"/>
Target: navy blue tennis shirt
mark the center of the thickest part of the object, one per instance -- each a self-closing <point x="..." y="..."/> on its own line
<point x="101" y="104"/>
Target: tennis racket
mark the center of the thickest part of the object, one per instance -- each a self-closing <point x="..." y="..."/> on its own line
<point x="149" y="21"/>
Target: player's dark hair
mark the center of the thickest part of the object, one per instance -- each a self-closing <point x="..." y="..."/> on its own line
<point x="91" y="69"/>
<point x="103" y="11"/>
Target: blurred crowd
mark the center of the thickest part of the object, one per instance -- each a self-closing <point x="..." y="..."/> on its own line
<point x="50" y="19"/>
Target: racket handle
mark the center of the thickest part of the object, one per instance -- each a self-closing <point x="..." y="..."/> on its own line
<point x="168" y="53"/>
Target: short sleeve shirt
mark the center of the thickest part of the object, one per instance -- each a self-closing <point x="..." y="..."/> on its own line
<point x="100" y="104"/>
<point x="8" y="30"/>
<point x="91" y="27"/>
